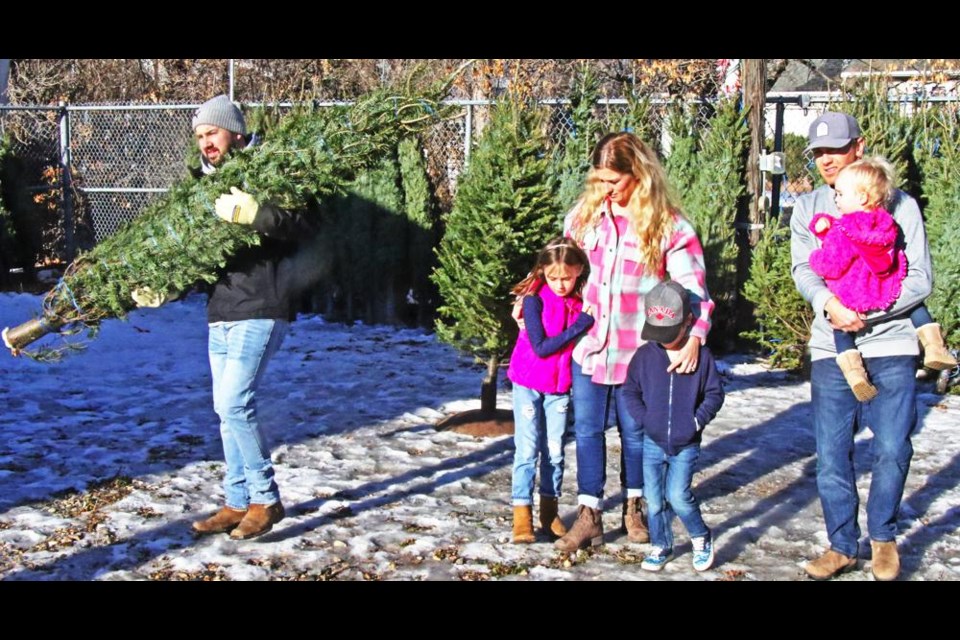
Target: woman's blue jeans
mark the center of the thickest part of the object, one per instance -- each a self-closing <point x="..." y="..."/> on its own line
<point x="594" y="405"/>
<point x="239" y="353"/>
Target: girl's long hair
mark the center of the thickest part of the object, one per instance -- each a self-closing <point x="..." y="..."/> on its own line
<point x="651" y="207"/>
<point x="557" y="251"/>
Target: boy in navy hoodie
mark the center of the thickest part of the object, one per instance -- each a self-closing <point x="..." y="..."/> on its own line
<point x="672" y="409"/>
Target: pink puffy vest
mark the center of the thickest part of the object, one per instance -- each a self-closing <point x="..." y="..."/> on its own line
<point x="551" y="374"/>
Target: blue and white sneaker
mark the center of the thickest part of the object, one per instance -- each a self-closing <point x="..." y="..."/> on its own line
<point x="702" y="552"/>
<point x="656" y="559"/>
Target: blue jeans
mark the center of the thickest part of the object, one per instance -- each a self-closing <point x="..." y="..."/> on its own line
<point x="891" y="416"/>
<point x="668" y="481"/>
<point x="592" y="407"/>
<point x="239" y="353"/>
<point x="539" y="420"/>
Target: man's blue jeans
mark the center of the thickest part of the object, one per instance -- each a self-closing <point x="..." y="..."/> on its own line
<point x="539" y="420"/>
<point x="593" y="406"/>
<point x="891" y="416"/>
<point x="239" y="353"/>
<point x="668" y="482"/>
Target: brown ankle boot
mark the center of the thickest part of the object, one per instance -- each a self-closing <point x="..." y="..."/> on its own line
<point x="523" y="524"/>
<point x="830" y="564"/>
<point x="635" y="520"/>
<point x="886" y="560"/>
<point x="586" y="531"/>
<point x="260" y="518"/>
<point x="935" y="352"/>
<point x="220" y="522"/>
<point x="549" y="519"/>
<point x="851" y="364"/>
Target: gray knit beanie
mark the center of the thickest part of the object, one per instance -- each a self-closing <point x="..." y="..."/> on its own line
<point x="220" y="112"/>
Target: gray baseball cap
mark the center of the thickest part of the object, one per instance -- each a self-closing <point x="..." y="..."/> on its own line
<point x="666" y="306"/>
<point x="833" y="130"/>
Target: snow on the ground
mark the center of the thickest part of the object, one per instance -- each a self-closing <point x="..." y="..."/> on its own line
<point x="108" y="456"/>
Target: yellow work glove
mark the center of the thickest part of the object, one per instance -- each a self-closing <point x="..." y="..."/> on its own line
<point x="237" y="206"/>
<point x="147" y="297"/>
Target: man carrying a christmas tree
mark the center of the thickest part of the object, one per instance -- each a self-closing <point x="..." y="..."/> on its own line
<point x="248" y="311"/>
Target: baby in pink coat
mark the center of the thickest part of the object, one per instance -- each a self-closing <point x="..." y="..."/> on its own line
<point x="864" y="266"/>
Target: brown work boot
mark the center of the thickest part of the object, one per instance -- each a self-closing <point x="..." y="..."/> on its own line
<point x="635" y="520"/>
<point x="935" y="352"/>
<point x="851" y="364"/>
<point x="260" y="518"/>
<point x="829" y="565"/>
<point x="523" y="524"/>
<point x="586" y="531"/>
<point x="886" y="560"/>
<point x="220" y="522"/>
<point x="549" y="519"/>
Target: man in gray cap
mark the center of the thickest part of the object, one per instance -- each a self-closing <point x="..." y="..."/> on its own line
<point x="248" y="312"/>
<point x="888" y="343"/>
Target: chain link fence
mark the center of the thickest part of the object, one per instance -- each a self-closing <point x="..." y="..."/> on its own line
<point x="123" y="156"/>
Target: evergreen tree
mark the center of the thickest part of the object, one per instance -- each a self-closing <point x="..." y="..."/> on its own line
<point x="681" y="164"/>
<point x="178" y="240"/>
<point x="573" y="158"/>
<point x="505" y="210"/>
<point x="712" y="203"/>
<point x="783" y="316"/>
<point x="941" y="189"/>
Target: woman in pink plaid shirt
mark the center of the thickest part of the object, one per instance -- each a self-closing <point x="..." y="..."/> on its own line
<point x="635" y="236"/>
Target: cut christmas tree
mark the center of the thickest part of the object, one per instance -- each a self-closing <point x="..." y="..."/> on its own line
<point x="179" y="241"/>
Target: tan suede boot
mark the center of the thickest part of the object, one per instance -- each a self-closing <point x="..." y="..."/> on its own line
<point x="851" y="364"/>
<point x="829" y="565"/>
<point x="635" y="520"/>
<point x="886" y="560"/>
<point x="586" y="531"/>
<point x="935" y="352"/>
<point x="523" y="524"/>
<point x="220" y="522"/>
<point x="260" y="519"/>
<point x="549" y="519"/>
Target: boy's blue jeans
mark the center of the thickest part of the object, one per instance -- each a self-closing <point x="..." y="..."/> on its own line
<point x="667" y="481"/>
<point x="539" y="420"/>
<point x="239" y="353"/>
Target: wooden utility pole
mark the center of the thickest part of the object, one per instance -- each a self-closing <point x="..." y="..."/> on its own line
<point x="754" y="96"/>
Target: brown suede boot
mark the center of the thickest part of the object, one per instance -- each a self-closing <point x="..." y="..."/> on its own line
<point x="886" y="560"/>
<point x="549" y="519"/>
<point x="851" y="364"/>
<point x="829" y="565"/>
<point x="523" y="524"/>
<point x="635" y="520"/>
<point x="260" y="518"/>
<point x="935" y="352"/>
<point x="220" y="522"/>
<point x="586" y="531"/>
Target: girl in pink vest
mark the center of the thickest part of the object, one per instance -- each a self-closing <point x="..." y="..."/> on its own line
<point x="541" y="374"/>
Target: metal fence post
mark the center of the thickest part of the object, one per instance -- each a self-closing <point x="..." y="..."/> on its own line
<point x="66" y="190"/>
<point x="467" y="134"/>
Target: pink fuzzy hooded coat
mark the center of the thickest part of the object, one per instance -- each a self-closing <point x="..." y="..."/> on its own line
<point x="859" y="259"/>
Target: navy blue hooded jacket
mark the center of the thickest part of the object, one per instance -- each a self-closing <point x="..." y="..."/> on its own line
<point x="672" y="408"/>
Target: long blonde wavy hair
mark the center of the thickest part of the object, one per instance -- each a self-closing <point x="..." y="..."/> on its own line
<point x="651" y="207"/>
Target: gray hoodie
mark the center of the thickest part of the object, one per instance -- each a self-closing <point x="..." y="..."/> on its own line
<point x="884" y="335"/>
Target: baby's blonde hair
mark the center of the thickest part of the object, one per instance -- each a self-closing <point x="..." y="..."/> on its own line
<point x="875" y="178"/>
